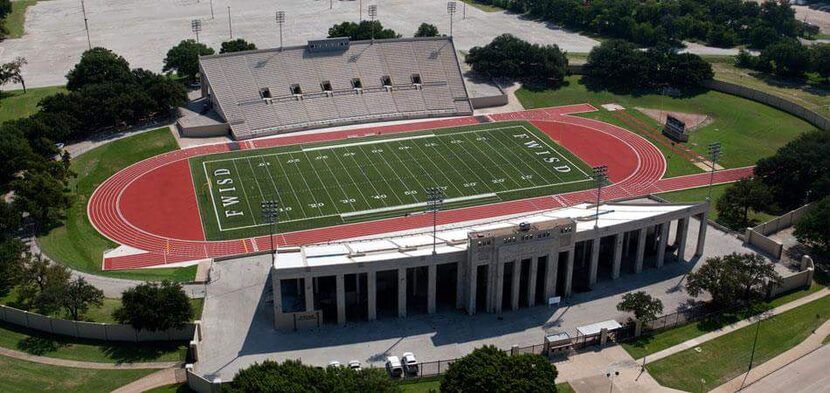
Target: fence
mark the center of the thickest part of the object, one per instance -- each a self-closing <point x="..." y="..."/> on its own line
<point x="91" y="330"/>
<point x="757" y="236"/>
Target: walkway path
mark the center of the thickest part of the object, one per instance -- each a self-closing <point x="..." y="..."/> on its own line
<point x="735" y="326"/>
<point x="81" y="364"/>
<point x="168" y="376"/>
<point x="795" y="382"/>
<point x="586" y="372"/>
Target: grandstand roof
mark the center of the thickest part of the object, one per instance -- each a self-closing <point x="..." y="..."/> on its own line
<point x="265" y="92"/>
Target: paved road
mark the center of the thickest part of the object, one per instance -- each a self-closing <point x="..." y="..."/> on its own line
<point x="806" y="375"/>
<point x="143" y="31"/>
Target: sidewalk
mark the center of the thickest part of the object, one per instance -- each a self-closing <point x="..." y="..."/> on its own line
<point x="81" y="364"/>
<point x="735" y="326"/>
<point x="586" y="372"/>
<point x="158" y="379"/>
<point x="810" y="344"/>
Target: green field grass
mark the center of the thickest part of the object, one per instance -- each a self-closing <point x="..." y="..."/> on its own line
<point x="726" y="357"/>
<point x="739" y="124"/>
<point x="20" y="376"/>
<point x="77" y="244"/>
<point x="15" y="105"/>
<point x="700" y="194"/>
<point x="15" y="20"/>
<point x="427" y="385"/>
<point x="653" y="343"/>
<point x="359" y="179"/>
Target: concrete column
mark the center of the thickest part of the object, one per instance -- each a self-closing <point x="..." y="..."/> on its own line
<point x="402" y="292"/>
<point x="618" y="253"/>
<point x="569" y="273"/>
<point x="499" y="288"/>
<point x="432" y="276"/>
<point x="309" y="293"/>
<point x="472" y="279"/>
<point x="683" y="232"/>
<point x="341" y="299"/>
<point x="514" y="287"/>
<point x="460" y="279"/>
<point x="552" y="273"/>
<point x="531" y="282"/>
<point x="701" y="234"/>
<point x="592" y="278"/>
<point x="641" y="250"/>
<point x="371" y="294"/>
<point x="278" y="296"/>
<point x="661" y="247"/>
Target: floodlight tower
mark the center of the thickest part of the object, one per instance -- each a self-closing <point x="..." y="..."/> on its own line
<point x="373" y="12"/>
<point x="230" y="26"/>
<point x="86" y="25"/>
<point x="360" y="11"/>
<point x="600" y="175"/>
<point x="280" y="18"/>
<point x="714" y="154"/>
<point x="451" y="10"/>
<point x="435" y="200"/>
<point x="196" y="27"/>
<point x="270" y="211"/>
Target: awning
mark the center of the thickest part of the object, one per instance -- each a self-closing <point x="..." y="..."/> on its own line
<point x="592" y="329"/>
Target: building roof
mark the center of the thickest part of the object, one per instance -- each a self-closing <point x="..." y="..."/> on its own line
<point x="255" y="90"/>
<point x="454" y="238"/>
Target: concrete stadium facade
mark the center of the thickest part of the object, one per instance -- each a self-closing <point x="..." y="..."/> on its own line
<point x="490" y="267"/>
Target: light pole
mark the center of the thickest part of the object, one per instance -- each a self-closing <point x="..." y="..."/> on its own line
<point x="600" y="175"/>
<point x="610" y="376"/>
<point x="230" y="26"/>
<point x="86" y="25"/>
<point x="211" y="10"/>
<point x="752" y="355"/>
<point x="435" y="200"/>
<point x="270" y="211"/>
<point x="714" y="154"/>
<point x="196" y="27"/>
<point x="280" y="18"/>
<point x="451" y="11"/>
<point x="360" y="11"/>
<point x="373" y="12"/>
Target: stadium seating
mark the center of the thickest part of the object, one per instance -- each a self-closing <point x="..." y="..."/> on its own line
<point x="256" y="91"/>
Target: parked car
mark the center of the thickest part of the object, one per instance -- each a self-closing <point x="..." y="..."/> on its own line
<point x="334" y="363"/>
<point x="410" y="364"/>
<point x="354" y="365"/>
<point x="393" y="367"/>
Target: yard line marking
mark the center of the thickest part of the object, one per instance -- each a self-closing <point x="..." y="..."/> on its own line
<point x="333" y="201"/>
<point x="381" y="175"/>
<point x="441" y="171"/>
<point x="337" y="180"/>
<point x="369" y="181"/>
<point x="414" y="205"/>
<point x="267" y="167"/>
<point x="308" y="189"/>
<point x="245" y="193"/>
<point x="495" y="165"/>
<point x="565" y="158"/>
<point x="349" y="173"/>
<point x="253" y="172"/>
<point x="307" y="149"/>
<point x="410" y="170"/>
<point x="473" y="171"/>
<point x="422" y="168"/>
<point x="539" y="139"/>
<point x="541" y="176"/>
<point x="395" y="171"/>
<point x="212" y="198"/>
<point x="291" y="186"/>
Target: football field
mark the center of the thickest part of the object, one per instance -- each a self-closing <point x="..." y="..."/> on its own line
<point x="372" y="177"/>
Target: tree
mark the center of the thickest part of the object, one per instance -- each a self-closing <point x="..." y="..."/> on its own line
<point x="617" y="64"/>
<point x="11" y="72"/>
<point x="78" y="295"/>
<point x="813" y="228"/>
<point x="98" y="65"/>
<point x="786" y="58"/>
<point x="5" y="8"/>
<point x="362" y="31"/>
<point x="732" y="278"/>
<point x="510" y="57"/>
<point x="154" y="307"/>
<point x="741" y="197"/>
<point x="293" y="376"/>
<point x="43" y="196"/>
<point x="11" y="263"/>
<point x="644" y="306"/>
<point x="237" y="45"/>
<point x="488" y="369"/>
<point x="184" y="58"/>
<point x="427" y="30"/>
<point x="820" y="59"/>
<point x="799" y="172"/>
<point x="42" y="283"/>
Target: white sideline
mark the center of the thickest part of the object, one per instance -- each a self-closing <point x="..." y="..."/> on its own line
<point x="373" y="142"/>
<point x="411" y="205"/>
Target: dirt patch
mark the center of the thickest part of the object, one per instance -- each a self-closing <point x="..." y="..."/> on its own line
<point x="693" y="120"/>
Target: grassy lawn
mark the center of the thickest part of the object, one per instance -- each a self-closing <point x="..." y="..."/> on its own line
<point x="15" y="20"/>
<point x="482" y="6"/>
<point x="427" y="384"/>
<point x="36" y="343"/>
<point x="20" y="376"/>
<point x="738" y="123"/>
<point x="810" y="93"/>
<point x="700" y="194"/>
<point x="180" y="388"/>
<point x="77" y="244"/>
<point x="652" y="343"/>
<point x="726" y="357"/>
<point x="14" y="104"/>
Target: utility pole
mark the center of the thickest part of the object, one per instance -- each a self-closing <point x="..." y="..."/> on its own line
<point x="230" y="27"/>
<point x="280" y="21"/>
<point x="86" y="25"/>
<point x="600" y="175"/>
<point x="451" y="11"/>
<point x="196" y="27"/>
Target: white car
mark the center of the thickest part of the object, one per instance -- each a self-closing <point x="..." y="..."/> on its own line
<point x="393" y="367"/>
<point x="334" y="363"/>
<point x="410" y="364"/>
<point x="354" y="365"/>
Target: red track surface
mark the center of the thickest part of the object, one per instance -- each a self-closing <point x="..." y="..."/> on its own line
<point x="151" y="205"/>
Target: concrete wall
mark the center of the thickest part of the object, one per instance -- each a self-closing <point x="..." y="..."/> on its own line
<point x="757" y="236"/>
<point x="802" y="279"/>
<point x="489" y="101"/>
<point x="203" y="131"/>
<point x="90" y="330"/>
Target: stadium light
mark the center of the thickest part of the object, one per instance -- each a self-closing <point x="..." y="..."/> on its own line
<point x="196" y="27"/>
<point x="230" y="26"/>
<point x="373" y="12"/>
<point x="451" y="10"/>
<point x="435" y="200"/>
<point x="714" y="154"/>
<point x="270" y="211"/>
<point x="360" y="12"/>
<point x="86" y="25"/>
<point x="280" y="18"/>
<point x="600" y="175"/>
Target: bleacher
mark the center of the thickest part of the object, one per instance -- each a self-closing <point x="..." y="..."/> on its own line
<point x="266" y="92"/>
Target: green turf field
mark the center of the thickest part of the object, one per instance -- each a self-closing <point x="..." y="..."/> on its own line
<point x="369" y="178"/>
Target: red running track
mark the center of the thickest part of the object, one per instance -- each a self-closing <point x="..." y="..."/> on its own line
<point x="151" y="205"/>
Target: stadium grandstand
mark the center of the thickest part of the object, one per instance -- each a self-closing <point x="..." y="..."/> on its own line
<point x="332" y="82"/>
